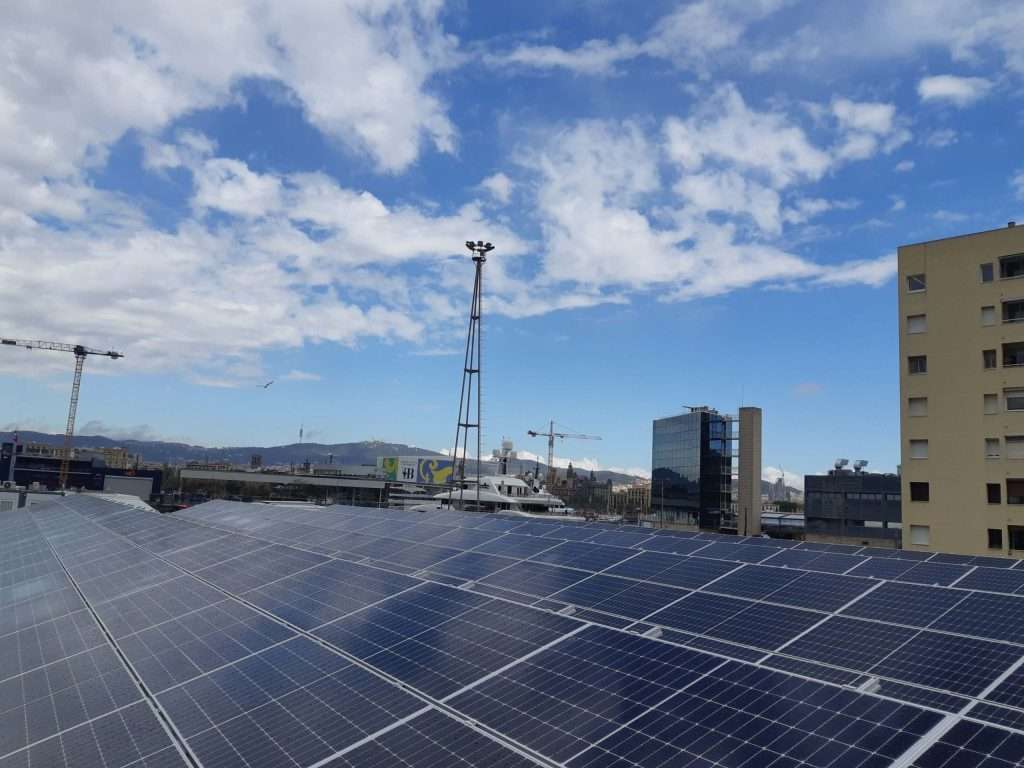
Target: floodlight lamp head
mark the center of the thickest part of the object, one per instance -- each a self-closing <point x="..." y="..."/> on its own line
<point x="840" y="463"/>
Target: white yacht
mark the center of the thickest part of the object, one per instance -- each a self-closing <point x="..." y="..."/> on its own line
<point x="498" y="493"/>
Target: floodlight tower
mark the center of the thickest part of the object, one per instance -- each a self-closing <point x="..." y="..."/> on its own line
<point x="471" y="373"/>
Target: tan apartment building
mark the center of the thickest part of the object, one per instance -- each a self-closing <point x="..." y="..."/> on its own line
<point x="961" y="315"/>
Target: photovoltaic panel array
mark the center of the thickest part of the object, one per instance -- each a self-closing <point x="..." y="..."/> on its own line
<point x="253" y="635"/>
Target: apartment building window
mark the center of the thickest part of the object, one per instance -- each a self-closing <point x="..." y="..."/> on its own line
<point x="1014" y="399"/>
<point x="995" y="538"/>
<point x="917" y="406"/>
<point x="986" y="272"/>
<point x="919" y="323"/>
<point x="919" y="491"/>
<point x="1013" y="354"/>
<point x="919" y="449"/>
<point x="1013" y="311"/>
<point x="916" y="283"/>
<point x="988" y="315"/>
<point x="1011" y="266"/>
<point x="1014" y="491"/>
<point x="1015" y="446"/>
<point x="921" y="535"/>
<point x="994" y="493"/>
<point x="918" y="364"/>
<point x="991" y="403"/>
<point x="988" y="358"/>
<point x="991" y="447"/>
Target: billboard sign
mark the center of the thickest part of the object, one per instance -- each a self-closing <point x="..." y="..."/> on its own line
<point x="416" y="469"/>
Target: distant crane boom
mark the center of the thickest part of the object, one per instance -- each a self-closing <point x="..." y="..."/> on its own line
<point x="551" y="434"/>
<point x="80" y="352"/>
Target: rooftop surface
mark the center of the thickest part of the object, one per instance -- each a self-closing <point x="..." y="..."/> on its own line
<point x="254" y="635"/>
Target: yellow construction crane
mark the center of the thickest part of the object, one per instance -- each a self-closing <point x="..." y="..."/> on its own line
<point x="551" y="435"/>
<point x="80" y="354"/>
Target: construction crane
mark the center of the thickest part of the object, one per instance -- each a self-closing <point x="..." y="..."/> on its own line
<point x="551" y="435"/>
<point x="80" y="352"/>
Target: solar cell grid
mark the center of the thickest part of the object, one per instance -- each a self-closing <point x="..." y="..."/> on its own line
<point x="516" y="545"/>
<point x="444" y="659"/>
<point x="641" y="600"/>
<point x="972" y="744"/>
<point x="47" y="642"/>
<point x="179" y="649"/>
<point x="911" y="604"/>
<point x="882" y="568"/>
<point x="418" y="556"/>
<point x="588" y="557"/>
<point x="754" y="581"/>
<point x="938" y="574"/>
<point x="258" y="568"/>
<point x="958" y="664"/>
<point x="130" y="737"/>
<point x="673" y="570"/>
<point x="740" y="715"/>
<point x="699" y="612"/>
<point x="849" y="643"/>
<point x="327" y="592"/>
<point x="150" y="606"/>
<point x="581" y="689"/>
<point x="463" y="538"/>
<point x="470" y="566"/>
<point x="1003" y="580"/>
<point x="217" y="550"/>
<point x="432" y="740"/>
<point x="764" y="626"/>
<point x="1011" y="690"/>
<point x="814" y="671"/>
<point x="538" y="579"/>
<point x="620" y="538"/>
<point x="734" y="552"/>
<point x="39" y="609"/>
<point x="1000" y="617"/>
<point x="821" y="591"/>
<point x="294" y="704"/>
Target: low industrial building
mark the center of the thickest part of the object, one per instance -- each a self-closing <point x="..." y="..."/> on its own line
<point x="278" y="486"/>
<point x="853" y="507"/>
<point x="29" y="467"/>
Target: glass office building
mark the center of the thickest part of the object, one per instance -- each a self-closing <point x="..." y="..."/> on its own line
<point x="694" y="468"/>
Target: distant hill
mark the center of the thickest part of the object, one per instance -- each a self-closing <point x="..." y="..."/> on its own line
<point x="365" y="452"/>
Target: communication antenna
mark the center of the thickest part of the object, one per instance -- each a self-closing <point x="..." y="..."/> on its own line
<point x="470" y="374"/>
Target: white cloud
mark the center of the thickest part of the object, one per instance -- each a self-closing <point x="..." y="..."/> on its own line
<point x="1017" y="182"/>
<point x="867" y="128"/>
<point x="499" y="186"/>
<point x="792" y="479"/>
<point x="898" y="203"/>
<point x="949" y="217"/>
<point x="688" y="37"/>
<point x="76" y="79"/>
<point x="903" y="166"/>
<point x="296" y="375"/>
<point x="958" y="91"/>
<point x="582" y="464"/>
<point x="943" y="137"/>
<point x="229" y="186"/>
<point x="872" y="272"/>
<point x="807" y="389"/>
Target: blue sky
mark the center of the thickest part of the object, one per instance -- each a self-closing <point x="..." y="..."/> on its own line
<point x="692" y="203"/>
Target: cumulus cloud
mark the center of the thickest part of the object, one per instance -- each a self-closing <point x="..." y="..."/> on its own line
<point x="688" y="37"/>
<point x="296" y="375"/>
<point x="943" y="137"/>
<point x="792" y="479"/>
<point x="807" y="389"/>
<point x="904" y="166"/>
<point x="1017" y="182"/>
<point x="958" y="91"/>
<point x="499" y="186"/>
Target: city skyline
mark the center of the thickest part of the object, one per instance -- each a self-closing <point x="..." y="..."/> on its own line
<point x="691" y="204"/>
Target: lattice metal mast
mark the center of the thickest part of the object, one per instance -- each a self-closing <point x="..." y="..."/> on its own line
<point x="80" y="352"/>
<point x="470" y="373"/>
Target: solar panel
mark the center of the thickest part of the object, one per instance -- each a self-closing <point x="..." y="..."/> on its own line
<point x="431" y="740"/>
<point x="535" y="579"/>
<point x="910" y="604"/>
<point x="999" y="617"/>
<point x="238" y="672"/>
<point x="994" y="580"/>
<point x="972" y="744"/>
<point x="589" y="557"/>
<point x="849" y="643"/>
<point x="958" y="664"/>
<point x="784" y="720"/>
<point x="581" y="690"/>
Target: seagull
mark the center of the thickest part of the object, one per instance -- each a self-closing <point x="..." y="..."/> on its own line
<point x="267" y="385"/>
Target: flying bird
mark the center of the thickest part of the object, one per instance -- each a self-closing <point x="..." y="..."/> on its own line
<point x="267" y="385"/>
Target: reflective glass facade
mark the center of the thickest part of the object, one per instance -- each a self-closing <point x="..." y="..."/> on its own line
<point x="692" y="468"/>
